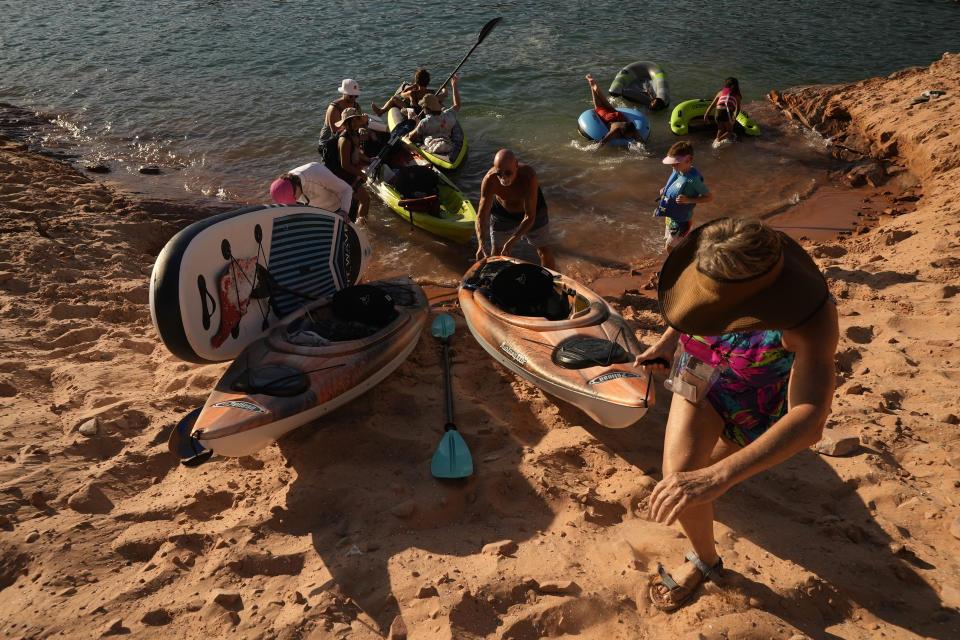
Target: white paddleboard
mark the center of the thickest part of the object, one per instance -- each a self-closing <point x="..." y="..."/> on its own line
<point x="222" y="282"/>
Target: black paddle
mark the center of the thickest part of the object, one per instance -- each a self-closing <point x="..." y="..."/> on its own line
<point x="398" y="132"/>
<point x="487" y="28"/>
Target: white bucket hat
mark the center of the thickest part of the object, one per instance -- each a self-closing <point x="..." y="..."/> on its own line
<point x="349" y="87"/>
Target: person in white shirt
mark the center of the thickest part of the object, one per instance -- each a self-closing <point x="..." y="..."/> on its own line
<point x="315" y="185"/>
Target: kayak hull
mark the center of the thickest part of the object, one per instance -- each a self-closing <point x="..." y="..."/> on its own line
<point x="447" y="161"/>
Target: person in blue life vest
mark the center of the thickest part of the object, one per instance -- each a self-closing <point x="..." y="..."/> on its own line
<point x="684" y="190"/>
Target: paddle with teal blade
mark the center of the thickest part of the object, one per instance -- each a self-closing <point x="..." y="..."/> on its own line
<point x="452" y="458"/>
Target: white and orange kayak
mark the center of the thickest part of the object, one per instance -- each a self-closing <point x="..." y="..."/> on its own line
<point x="314" y="361"/>
<point x="559" y="335"/>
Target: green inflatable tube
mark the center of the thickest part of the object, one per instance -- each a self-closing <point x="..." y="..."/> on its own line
<point x="685" y="112"/>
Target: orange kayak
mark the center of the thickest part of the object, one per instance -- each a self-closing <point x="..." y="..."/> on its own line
<point x="559" y="335"/>
<point x="313" y="362"/>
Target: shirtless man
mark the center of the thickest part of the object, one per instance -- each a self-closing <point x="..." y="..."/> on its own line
<point x="510" y="196"/>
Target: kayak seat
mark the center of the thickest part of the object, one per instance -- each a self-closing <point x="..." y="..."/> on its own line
<point x="528" y="290"/>
<point x="272" y="380"/>
<point x="580" y="352"/>
<point x="429" y="205"/>
<point x="364" y="303"/>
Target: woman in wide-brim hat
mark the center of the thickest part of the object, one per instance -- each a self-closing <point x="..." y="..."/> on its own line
<point x="752" y="324"/>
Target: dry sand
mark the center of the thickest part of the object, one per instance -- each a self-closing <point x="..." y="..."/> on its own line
<point x="339" y="528"/>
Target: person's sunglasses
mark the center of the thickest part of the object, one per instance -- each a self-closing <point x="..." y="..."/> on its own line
<point x="504" y="173"/>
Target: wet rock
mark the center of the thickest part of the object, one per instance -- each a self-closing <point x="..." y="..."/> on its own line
<point x="500" y="548"/>
<point x="837" y="446"/>
<point x="868" y="172"/>
<point x="149" y="169"/>
<point x="97" y="167"/>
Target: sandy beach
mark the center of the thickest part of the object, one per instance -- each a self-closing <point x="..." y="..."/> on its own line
<point x="339" y="528"/>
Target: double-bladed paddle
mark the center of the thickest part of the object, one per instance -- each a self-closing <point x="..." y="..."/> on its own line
<point x="452" y="458"/>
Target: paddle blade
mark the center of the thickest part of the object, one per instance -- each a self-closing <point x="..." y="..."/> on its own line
<point x="487" y="28"/>
<point x="452" y="458"/>
<point x="184" y="445"/>
<point x="443" y="326"/>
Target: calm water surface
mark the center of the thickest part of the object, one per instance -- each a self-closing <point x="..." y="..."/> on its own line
<point x="227" y="95"/>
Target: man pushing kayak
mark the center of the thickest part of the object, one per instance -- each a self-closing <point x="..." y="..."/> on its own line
<point x="511" y="198"/>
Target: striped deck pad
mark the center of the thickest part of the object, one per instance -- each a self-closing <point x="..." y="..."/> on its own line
<point x="305" y="259"/>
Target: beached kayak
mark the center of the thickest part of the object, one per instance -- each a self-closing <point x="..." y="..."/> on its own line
<point x="450" y="160"/>
<point x="221" y="282"/>
<point x="592" y="125"/>
<point x="689" y="114"/>
<point x="318" y="359"/>
<point x="422" y="195"/>
<point x="559" y="335"/>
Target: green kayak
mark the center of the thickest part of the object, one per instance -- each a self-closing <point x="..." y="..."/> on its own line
<point x="446" y="161"/>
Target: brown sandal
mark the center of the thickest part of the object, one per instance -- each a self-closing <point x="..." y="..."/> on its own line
<point x="678" y="595"/>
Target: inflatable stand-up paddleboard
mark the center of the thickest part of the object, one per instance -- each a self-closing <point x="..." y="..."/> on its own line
<point x="220" y="283"/>
<point x="593" y="127"/>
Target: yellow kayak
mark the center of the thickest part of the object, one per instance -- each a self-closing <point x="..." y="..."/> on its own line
<point x="437" y="206"/>
<point x="446" y="161"/>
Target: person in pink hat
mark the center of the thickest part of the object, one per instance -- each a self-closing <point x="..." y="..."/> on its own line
<point x="315" y="185"/>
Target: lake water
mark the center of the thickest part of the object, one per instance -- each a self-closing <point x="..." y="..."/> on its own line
<point x="224" y="96"/>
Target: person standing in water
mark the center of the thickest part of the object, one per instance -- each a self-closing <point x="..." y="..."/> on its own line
<point x="727" y="103"/>
<point x="752" y="334"/>
<point x="684" y="190"/>
<point x="513" y="204"/>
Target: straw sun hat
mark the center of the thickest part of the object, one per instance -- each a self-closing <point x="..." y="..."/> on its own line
<point x="783" y="296"/>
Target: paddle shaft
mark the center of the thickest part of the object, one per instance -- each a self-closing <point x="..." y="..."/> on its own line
<point x="487" y="28"/>
<point x="448" y="388"/>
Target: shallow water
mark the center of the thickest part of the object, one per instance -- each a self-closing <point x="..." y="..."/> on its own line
<point x="224" y="96"/>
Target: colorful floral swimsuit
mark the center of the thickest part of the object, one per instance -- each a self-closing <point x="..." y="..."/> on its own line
<point x="751" y="392"/>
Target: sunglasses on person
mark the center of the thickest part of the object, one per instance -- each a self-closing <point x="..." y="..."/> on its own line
<point x="504" y="173"/>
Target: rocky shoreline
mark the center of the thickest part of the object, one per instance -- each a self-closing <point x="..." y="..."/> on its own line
<point x="101" y="533"/>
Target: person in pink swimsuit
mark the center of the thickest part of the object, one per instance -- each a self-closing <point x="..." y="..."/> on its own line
<point x="752" y="334"/>
<point x="727" y="105"/>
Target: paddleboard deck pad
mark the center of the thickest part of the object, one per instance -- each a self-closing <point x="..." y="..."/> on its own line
<point x="222" y="282"/>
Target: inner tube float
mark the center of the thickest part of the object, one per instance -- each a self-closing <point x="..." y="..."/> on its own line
<point x="686" y="114"/>
<point x="593" y="127"/>
<point x="635" y="80"/>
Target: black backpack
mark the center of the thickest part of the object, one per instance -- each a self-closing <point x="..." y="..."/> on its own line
<point x="329" y="149"/>
<point x="416" y="181"/>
